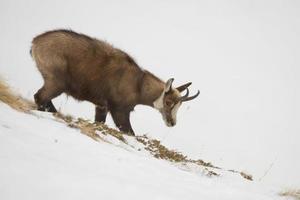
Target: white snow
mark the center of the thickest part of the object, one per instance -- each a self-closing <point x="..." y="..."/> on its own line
<point x="41" y="158"/>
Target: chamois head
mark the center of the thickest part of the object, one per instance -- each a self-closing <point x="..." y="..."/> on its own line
<point x="170" y="100"/>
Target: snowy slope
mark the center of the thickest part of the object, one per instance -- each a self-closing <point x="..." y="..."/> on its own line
<point x="242" y="55"/>
<point x="41" y="158"/>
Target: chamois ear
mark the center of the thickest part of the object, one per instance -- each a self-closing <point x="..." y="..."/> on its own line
<point x="168" y="85"/>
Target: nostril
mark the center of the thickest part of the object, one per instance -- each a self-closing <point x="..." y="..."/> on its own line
<point x="169" y="124"/>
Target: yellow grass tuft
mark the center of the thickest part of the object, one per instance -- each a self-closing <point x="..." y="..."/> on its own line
<point x="8" y="97"/>
<point x="291" y="193"/>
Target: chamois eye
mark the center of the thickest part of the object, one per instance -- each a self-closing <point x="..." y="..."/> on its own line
<point x="169" y="103"/>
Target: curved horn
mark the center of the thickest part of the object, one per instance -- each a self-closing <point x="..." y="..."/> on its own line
<point x="191" y="98"/>
<point x="184" y="86"/>
<point x="185" y="96"/>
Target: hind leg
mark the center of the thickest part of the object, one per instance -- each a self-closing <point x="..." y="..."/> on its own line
<point x="44" y="96"/>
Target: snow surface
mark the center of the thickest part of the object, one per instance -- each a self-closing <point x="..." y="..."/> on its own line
<point x="41" y="158"/>
<point x="242" y="55"/>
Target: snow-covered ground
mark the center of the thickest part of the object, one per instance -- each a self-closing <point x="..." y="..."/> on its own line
<point x="243" y="55"/>
<point x="44" y="159"/>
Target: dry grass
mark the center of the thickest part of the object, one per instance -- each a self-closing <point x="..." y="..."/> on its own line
<point x="243" y="174"/>
<point x="161" y="152"/>
<point x="15" y="101"/>
<point x="291" y="193"/>
<point x="93" y="130"/>
<point x="246" y="176"/>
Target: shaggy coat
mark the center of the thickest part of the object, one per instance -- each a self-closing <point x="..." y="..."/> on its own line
<point x="93" y="70"/>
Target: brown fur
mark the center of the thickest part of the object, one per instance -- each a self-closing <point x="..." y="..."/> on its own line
<point x="93" y="70"/>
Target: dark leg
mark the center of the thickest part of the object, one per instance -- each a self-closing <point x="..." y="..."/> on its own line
<point x="101" y="113"/>
<point x="44" y="95"/>
<point x="121" y="119"/>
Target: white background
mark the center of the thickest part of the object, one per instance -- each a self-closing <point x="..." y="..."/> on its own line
<point x="242" y="55"/>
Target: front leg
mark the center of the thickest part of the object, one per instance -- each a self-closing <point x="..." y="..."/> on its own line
<point x="122" y="121"/>
<point x="101" y="113"/>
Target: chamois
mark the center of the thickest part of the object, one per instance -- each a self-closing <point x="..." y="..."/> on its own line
<point x="90" y="69"/>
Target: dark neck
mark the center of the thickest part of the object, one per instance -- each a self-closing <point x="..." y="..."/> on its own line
<point x="151" y="88"/>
